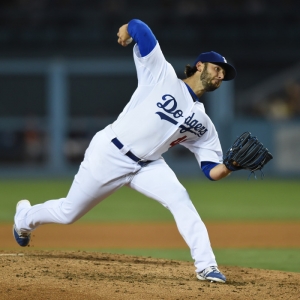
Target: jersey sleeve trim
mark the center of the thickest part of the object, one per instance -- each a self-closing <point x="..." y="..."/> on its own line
<point x="206" y="166"/>
<point x="142" y="35"/>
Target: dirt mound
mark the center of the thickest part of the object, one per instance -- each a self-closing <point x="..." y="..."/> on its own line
<point x="84" y="275"/>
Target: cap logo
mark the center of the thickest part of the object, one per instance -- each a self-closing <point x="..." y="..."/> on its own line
<point x="224" y="59"/>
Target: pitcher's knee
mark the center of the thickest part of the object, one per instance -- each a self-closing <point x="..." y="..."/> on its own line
<point x="69" y="219"/>
<point x="177" y="198"/>
<point x="68" y="222"/>
<point x="180" y="195"/>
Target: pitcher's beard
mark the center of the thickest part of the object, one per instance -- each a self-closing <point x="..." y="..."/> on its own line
<point x="207" y="81"/>
<point x="209" y="86"/>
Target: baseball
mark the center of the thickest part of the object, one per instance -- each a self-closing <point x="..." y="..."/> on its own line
<point x="128" y="41"/>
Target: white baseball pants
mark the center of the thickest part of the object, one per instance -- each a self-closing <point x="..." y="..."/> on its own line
<point x="104" y="170"/>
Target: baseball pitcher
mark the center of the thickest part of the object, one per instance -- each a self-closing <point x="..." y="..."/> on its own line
<point x="163" y="111"/>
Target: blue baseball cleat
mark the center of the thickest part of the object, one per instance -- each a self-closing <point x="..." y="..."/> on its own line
<point x="22" y="237"/>
<point x="211" y="273"/>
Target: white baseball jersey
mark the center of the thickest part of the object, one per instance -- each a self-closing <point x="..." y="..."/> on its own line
<point x="171" y="113"/>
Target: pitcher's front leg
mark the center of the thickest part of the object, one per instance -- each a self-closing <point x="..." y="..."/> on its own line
<point x="159" y="182"/>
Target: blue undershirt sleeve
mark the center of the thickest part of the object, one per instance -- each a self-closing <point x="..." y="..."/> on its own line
<point x="206" y="166"/>
<point x="142" y="35"/>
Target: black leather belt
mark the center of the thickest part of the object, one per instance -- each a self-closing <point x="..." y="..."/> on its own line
<point x="140" y="161"/>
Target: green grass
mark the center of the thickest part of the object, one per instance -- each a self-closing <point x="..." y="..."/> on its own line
<point x="271" y="259"/>
<point x="227" y="200"/>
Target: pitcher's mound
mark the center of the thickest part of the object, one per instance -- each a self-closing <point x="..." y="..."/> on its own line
<point x="83" y="275"/>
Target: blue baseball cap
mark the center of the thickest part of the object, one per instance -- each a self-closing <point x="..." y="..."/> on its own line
<point x="217" y="59"/>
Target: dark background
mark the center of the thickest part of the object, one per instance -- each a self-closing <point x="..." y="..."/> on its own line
<point x="259" y="36"/>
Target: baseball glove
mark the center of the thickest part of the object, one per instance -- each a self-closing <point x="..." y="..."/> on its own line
<point x="247" y="153"/>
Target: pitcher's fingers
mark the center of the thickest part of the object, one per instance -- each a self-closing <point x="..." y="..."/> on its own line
<point x="122" y="43"/>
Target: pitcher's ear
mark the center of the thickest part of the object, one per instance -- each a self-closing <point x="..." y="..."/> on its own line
<point x="199" y="66"/>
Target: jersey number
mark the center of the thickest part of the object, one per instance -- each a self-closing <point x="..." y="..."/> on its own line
<point x="178" y="141"/>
